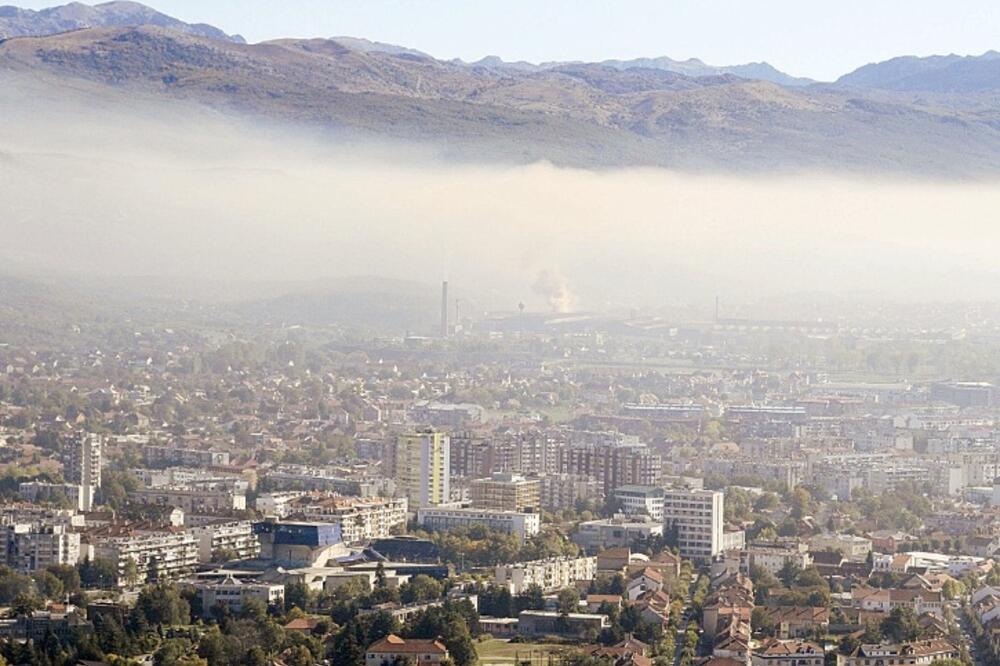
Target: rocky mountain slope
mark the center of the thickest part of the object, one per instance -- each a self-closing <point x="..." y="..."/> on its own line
<point x="575" y="114"/>
<point x="16" y="22"/>
<point x="756" y="71"/>
<point x="940" y="74"/>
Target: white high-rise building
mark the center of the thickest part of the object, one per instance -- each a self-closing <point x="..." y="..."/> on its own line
<point x="695" y="516"/>
<point x="423" y="463"/>
<point x="82" y="465"/>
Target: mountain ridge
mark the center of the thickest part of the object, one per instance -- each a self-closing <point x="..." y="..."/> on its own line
<point x="937" y="73"/>
<point x="17" y="22"/>
<point x="577" y="115"/>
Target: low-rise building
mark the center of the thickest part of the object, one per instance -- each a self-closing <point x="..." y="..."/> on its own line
<point x="774" y="556"/>
<point x="852" y="547"/>
<point x="232" y="594"/>
<point x="773" y="652"/>
<point x="299" y="543"/>
<point x="796" y="621"/>
<point x="551" y="575"/>
<point x="616" y="532"/>
<point x="915" y="653"/>
<point x="918" y="600"/>
<point x="521" y="525"/>
<point x="395" y="650"/>
<point x="575" y="625"/>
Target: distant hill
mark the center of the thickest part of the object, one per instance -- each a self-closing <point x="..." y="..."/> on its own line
<point x="16" y="22"/>
<point x="758" y="71"/>
<point x="941" y="74"/>
<point x="358" y="301"/>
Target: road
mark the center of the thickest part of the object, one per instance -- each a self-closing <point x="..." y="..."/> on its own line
<point x="686" y="618"/>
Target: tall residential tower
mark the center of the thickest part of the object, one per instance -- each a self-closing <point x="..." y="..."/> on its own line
<point x="82" y="465"/>
<point x="423" y="461"/>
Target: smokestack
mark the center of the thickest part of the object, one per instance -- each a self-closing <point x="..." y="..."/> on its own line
<point x="444" y="309"/>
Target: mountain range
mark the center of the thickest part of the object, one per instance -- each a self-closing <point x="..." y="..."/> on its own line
<point x="17" y="22"/>
<point x="937" y="116"/>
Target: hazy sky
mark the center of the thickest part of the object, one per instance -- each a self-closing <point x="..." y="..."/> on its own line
<point x="818" y="38"/>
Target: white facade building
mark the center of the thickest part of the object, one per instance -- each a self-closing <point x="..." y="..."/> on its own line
<point x="550" y="575"/>
<point x="82" y="465"/>
<point x="232" y="594"/>
<point x="235" y="537"/>
<point x="695" y="516"/>
<point x="33" y="547"/>
<point x="521" y="525"/>
<point x="169" y="554"/>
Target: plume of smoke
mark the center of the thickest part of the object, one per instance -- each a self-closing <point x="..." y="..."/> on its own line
<point x="552" y="285"/>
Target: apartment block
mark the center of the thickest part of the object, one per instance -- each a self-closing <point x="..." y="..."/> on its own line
<point x="140" y="556"/>
<point x="551" y="575"/>
<point x="423" y="468"/>
<point x="505" y="491"/>
<point x="235" y="538"/>
<point x="694" y="517"/>
<point x="82" y="465"/>
<point x="33" y="547"/>
<point x="521" y="525"/>
<point x="192" y="500"/>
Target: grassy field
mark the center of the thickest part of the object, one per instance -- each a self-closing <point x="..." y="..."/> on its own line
<point x="497" y="651"/>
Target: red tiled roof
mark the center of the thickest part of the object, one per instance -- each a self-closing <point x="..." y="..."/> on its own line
<point x="393" y="644"/>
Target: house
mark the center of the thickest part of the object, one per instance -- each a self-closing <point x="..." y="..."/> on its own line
<point x="595" y="601"/>
<point x="797" y="621"/>
<point x="613" y="560"/>
<point x="665" y="562"/>
<point x="646" y="580"/>
<point x="983" y="546"/>
<point x="915" y="653"/>
<point x="733" y="600"/>
<point x="773" y="652"/>
<point x="733" y="640"/>
<point x="920" y="601"/>
<point x="392" y="648"/>
<point x="304" y="625"/>
<point x="898" y="563"/>
<point x="630" y="645"/>
<point x="654" y="608"/>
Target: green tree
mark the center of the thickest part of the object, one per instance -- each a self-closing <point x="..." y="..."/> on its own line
<point x="569" y="600"/>
<point x="901" y="625"/>
<point x="68" y="575"/>
<point x="420" y="588"/>
<point x="49" y="586"/>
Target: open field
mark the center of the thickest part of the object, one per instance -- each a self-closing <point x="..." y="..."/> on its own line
<point x="497" y="651"/>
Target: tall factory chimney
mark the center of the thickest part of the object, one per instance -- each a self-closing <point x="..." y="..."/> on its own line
<point x="445" y="328"/>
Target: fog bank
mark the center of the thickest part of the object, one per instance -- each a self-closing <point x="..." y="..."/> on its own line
<point x="176" y="192"/>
